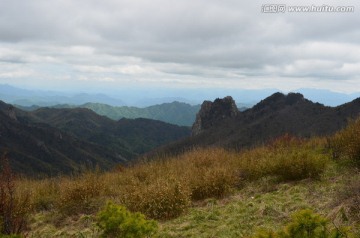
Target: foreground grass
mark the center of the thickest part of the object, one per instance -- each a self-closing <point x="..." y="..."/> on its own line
<point x="264" y="203"/>
<point x="202" y="193"/>
<point x="261" y="204"/>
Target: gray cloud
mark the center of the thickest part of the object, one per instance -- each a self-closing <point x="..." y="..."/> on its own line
<point x="162" y="42"/>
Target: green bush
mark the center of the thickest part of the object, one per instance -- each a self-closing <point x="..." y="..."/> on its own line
<point x="117" y="221"/>
<point x="306" y="224"/>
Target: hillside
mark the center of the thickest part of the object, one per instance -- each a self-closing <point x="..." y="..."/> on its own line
<point x="219" y="124"/>
<point x="177" y="113"/>
<point x="51" y="141"/>
<point x="209" y="192"/>
<point x="128" y="137"/>
<point x="39" y="148"/>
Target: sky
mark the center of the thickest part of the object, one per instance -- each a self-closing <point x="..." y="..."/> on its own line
<point x="197" y="44"/>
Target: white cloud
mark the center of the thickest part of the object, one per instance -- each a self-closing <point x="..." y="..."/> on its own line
<point x="17" y="74"/>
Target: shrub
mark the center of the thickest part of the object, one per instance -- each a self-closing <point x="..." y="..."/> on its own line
<point x="306" y="224"/>
<point x="211" y="182"/>
<point x="45" y="194"/>
<point x="117" y="221"/>
<point x="81" y="195"/>
<point x="14" y="207"/>
<point x="285" y="163"/>
<point x="161" y="199"/>
<point x="346" y="143"/>
<point x="298" y="164"/>
<point x="255" y="164"/>
<point x="209" y="172"/>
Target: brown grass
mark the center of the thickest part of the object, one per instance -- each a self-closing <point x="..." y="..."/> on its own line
<point x="347" y="200"/>
<point x="346" y="143"/>
<point x="14" y="204"/>
<point x="166" y="188"/>
<point x="286" y="159"/>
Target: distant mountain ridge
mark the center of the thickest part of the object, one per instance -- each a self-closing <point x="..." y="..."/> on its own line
<point x="177" y="113"/>
<point x="145" y="97"/>
<point x="53" y="141"/>
<point x="272" y="117"/>
<point x="40" y="98"/>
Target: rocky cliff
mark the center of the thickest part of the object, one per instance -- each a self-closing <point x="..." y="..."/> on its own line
<point x="213" y="113"/>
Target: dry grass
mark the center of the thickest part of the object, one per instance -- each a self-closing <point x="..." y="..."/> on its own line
<point x="286" y="158"/>
<point x="346" y="143"/>
<point x="15" y="204"/>
<point x="347" y="200"/>
<point x="165" y="189"/>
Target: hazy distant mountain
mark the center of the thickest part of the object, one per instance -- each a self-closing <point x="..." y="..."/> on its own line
<point x="24" y="97"/>
<point x="140" y="97"/>
<point x="52" y="141"/>
<point x="175" y="113"/>
<point x="219" y="124"/>
<point x="327" y="97"/>
<point x="147" y="102"/>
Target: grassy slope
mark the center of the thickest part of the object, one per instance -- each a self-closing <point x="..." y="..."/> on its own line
<point x="264" y="201"/>
<point x="259" y="204"/>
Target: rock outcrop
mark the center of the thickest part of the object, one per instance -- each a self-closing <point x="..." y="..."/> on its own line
<point x="212" y="113"/>
<point x="11" y="113"/>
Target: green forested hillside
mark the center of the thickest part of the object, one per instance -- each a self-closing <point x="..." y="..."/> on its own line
<point x="175" y="113"/>
<point x="52" y="141"/>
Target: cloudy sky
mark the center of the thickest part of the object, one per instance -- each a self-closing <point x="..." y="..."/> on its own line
<point x="109" y="44"/>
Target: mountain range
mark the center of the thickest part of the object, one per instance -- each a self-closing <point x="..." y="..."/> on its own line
<point x="53" y="141"/>
<point x="145" y="97"/>
<point x="177" y="113"/>
<point x="61" y="140"/>
<point x="219" y="123"/>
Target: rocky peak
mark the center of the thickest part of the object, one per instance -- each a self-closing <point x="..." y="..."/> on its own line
<point x="279" y="100"/>
<point x="212" y="113"/>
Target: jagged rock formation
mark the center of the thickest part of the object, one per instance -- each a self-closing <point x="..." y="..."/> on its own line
<point x="212" y="113"/>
